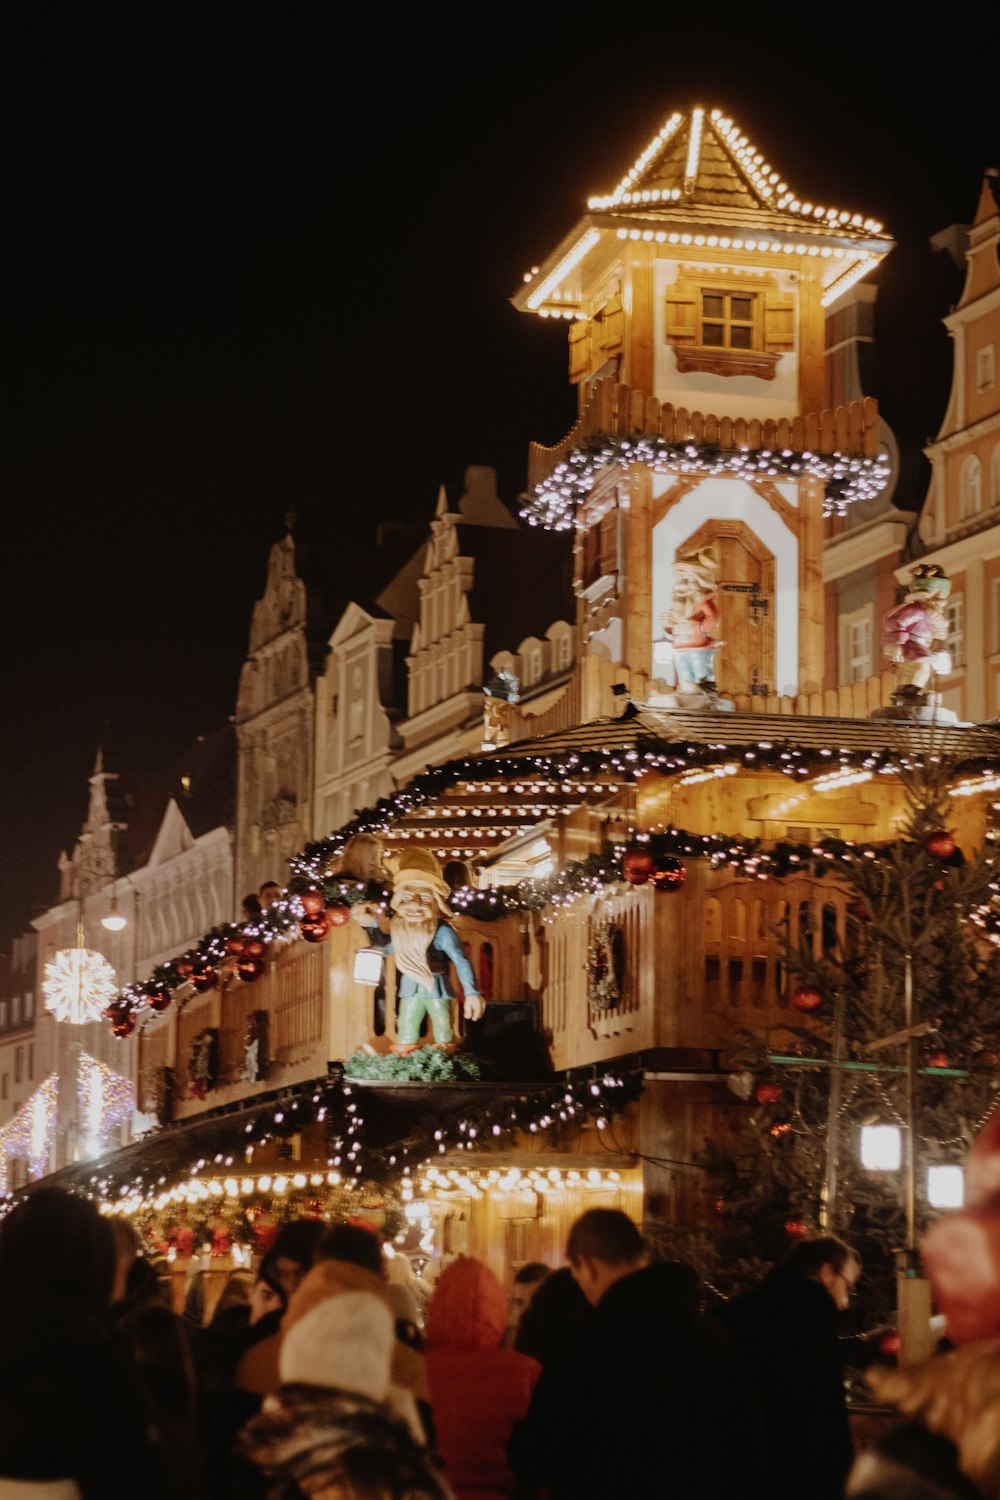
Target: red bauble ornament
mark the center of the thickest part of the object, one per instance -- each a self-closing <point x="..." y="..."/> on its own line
<point x="768" y="1093"/>
<point x="991" y="1059"/>
<point x="338" y="914"/>
<point x="235" y="943"/>
<point x="314" y="929"/>
<point x="938" y="1060"/>
<point x="253" y="948"/>
<point x="204" y="977"/>
<point x="250" y="969"/>
<point x="122" y="1020"/>
<point x="158" y="1001"/>
<point x="807" y="997"/>
<point x="719" y="1205"/>
<point x="184" y="967"/>
<point x="313" y="902"/>
<point x="669" y="875"/>
<point x="889" y="1345"/>
<point x="796" y="1230"/>
<point x="637" y="866"/>
<point x="940" y="845"/>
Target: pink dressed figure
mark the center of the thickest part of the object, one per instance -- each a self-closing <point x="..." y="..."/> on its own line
<point x="914" y="636"/>
<point x="692" y="620"/>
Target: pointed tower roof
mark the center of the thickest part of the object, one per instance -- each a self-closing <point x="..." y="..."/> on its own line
<point x="987" y="197"/>
<point x="701" y="182"/>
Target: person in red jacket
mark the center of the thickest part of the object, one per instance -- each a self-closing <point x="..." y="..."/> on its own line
<point x="478" y="1389"/>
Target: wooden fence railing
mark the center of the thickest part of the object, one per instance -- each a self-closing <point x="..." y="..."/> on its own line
<point x="616" y="408"/>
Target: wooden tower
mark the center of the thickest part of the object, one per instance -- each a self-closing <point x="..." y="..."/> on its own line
<point x="696" y="295"/>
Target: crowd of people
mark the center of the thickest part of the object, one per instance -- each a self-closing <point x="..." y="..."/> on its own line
<point x="322" y="1375"/>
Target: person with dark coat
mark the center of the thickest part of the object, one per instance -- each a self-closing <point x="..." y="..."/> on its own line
<point x="659" y="1382"/>
<point x="555" y="1315"/>
<point x="786" y="1327"/>
<point x="219" y="1349"/>
<point x="158" y="1343"/>
<point x="71" y="1408"/>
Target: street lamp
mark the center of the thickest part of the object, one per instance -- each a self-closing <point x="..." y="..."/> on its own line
<point x="115" y="920"/>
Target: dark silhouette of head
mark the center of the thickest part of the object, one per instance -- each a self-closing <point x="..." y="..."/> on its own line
<point x="353" y="1243"/>
<point x="60" y="1243"/>
<point x="294" y="1251"/>
<point x="553" y="1315"/>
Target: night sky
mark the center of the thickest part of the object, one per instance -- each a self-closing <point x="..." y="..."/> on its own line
<point x="261" y="263"/>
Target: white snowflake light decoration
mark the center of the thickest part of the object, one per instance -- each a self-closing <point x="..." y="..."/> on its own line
<point x="78" y="985"/>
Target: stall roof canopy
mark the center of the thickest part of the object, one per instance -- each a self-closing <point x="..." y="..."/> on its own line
<point x="648" y="727"/>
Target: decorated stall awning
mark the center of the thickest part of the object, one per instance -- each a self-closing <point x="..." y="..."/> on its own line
<point x="478" y="802"/>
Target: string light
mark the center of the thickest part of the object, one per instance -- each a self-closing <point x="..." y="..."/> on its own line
<point x="105" y="1100"/>
<point x="553" y="502"/>
<point x="29" y="1135"/>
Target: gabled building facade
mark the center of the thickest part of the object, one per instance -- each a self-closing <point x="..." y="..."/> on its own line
<point x="960" y="520"/>
<point x="155" y="855"/>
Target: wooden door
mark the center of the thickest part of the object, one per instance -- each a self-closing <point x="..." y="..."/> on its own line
<point x="747" y="605"/>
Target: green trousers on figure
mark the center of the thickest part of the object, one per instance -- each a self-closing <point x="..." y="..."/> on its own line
<point x="413" y="1008"/>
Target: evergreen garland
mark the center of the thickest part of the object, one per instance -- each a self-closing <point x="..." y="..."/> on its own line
<point x="426" y="1065"/>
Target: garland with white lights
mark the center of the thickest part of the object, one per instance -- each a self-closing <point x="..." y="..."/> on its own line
<point x="553" y="502"/>
<point x="199" y="967"/>
<point x="229" y="1139"/>
<point x="105" y="1099"/>
<point x="29" y="1135"/>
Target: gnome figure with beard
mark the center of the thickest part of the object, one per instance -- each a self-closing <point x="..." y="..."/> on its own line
<point x="424" y="943"/>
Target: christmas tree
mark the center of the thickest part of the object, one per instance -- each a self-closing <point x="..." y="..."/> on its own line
<point x="917" y="967"/>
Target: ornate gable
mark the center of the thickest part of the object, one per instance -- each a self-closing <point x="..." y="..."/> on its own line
<point x="283" y="605"/>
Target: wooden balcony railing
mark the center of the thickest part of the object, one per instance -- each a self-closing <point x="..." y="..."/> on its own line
<point x="692" y="967"/>
<point x="616" y="408"/>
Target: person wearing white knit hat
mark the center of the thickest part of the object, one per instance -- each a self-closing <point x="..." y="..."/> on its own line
<point x="330" y="1429"/>
<point x="344" y="1343"/>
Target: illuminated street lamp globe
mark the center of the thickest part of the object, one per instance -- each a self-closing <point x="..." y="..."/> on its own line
<point x="78" y="985"/>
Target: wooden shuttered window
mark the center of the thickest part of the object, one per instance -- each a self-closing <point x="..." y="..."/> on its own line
<point x="729" y="324"/>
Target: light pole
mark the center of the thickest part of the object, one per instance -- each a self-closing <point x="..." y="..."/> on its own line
<point x="913" y="1290"/>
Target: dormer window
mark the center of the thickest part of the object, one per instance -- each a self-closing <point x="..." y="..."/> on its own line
<point x="729" y="324"/>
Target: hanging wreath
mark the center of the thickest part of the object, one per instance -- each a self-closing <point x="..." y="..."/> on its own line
<point x="203" y="1064"/>
<point x="605" y="961"/>
<point x="255" y="1057"/>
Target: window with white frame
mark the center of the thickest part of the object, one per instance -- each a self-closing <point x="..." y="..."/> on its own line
<point x="955" y="640"/>
<point x="531" y="662"/>
<point x="985" y="368"/>
<point x="970" y="489"/>
<point x="562" y="650"/>
<point x="856" y="637"/>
